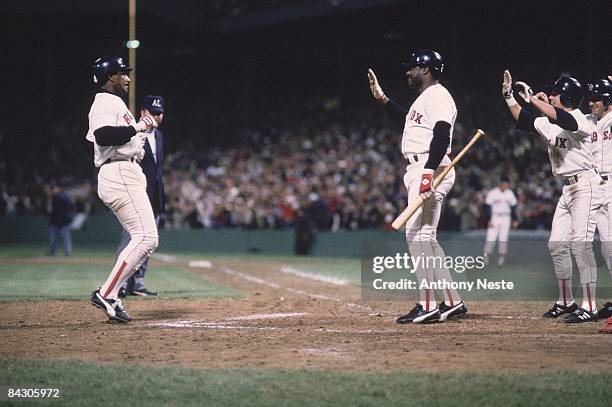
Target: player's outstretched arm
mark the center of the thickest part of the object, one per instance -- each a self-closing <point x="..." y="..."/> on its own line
<point x="555" y="115"/>
<point x="379" y="94"/>
<point x="507" y="93"/>
<point x="524" y="119"/>
<point x="119" y="135"/>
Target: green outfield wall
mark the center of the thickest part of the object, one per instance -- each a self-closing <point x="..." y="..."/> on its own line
<point x="106" y="231"/>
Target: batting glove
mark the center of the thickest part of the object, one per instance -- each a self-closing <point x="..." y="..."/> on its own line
<point x="507" y="89"/>
<point x="426" y="189"/>
<point x="145" y="123"/>
<point x="375" y="88"/>
<point x="525" y="92"/>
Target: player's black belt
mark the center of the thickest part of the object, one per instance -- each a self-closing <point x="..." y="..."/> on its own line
<point x="115" y="159"/>
<point x="570" y="180"/>
<point x="604" y="177"/>
<point x="574" y="178"/>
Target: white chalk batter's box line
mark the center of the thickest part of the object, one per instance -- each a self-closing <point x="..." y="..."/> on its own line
<point x="231" y="323"/>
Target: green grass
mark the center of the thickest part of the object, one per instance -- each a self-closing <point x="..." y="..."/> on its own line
<point x="340" y="267"/>
<point x="17" y="251"/>
<point x="75" y="282"/>
<point x="90" y="384"/>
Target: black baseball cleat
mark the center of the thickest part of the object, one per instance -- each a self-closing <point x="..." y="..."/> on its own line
<point x="558" y="310"/>
<point x="606" y="311"/>
<point x="143" y="292"/>
<point x="113" y="308"/>
<point x="581" y="315"/>
<point x="448" y="312"/>
<point x="419" y="316"/>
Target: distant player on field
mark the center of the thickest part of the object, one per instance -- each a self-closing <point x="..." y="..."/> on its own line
<point x="501" y="203"/>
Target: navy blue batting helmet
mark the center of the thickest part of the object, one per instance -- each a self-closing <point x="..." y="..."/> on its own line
<point x="600" y="89"/>
<point x="426" y="58"/>
<point x="570" y="90"/>
<point x="107" y="66"/>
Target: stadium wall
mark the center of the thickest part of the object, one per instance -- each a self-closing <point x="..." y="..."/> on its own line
<point x="105" y="231"/>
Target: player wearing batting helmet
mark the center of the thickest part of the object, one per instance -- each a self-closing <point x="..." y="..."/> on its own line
<point x="118" y="142"/>
<point x="426" y="143"/>
<point x="568" y="135"/>
<point x="599" y="96"/>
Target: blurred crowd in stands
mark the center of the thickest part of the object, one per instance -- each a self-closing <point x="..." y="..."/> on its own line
<point x="338" y="167"/>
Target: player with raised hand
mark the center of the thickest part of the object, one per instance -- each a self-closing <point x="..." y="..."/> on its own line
<point x="118" y="144"/>
<point x="425" y="144"/>
<point x="599" y="96"/>
<point x="568" y="135"/>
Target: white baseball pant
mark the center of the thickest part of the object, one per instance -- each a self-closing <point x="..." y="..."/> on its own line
<point x="421" y="233"/>
<point x="604" y="220"/>
<point x="122" y="187"/>
<point x="573" y="228"/>
<point x="498" y="230"/>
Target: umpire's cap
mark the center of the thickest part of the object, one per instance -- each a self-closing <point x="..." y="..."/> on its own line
<point x="600" y="89"/>
<point x="428" y="58"/>
<point x="569" y="89"/>
<point x="153" y="103"/>
<point x="107" y="66"/>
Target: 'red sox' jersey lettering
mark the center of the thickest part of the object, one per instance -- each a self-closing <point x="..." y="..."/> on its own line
<point x="415" y="116"/>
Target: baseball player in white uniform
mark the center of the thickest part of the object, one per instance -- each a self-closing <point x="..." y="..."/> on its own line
<point x="568" y="135"/>
<point x="500" y="202"/>
<point x="425" y="144"/>
<point x="118" y="143"/>
<point x="599" y="95"/>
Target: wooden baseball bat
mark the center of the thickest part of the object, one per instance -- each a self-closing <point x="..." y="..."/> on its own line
<point x="416" y="204"/>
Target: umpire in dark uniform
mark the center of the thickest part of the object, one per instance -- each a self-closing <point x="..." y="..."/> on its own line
<point x="152" y="167"/>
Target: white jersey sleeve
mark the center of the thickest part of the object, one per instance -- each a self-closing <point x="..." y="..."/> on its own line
<point x="101" y="115"/>
<point x="442" y="109"/>
<point x="585" y="126"/>
<point x="512" y="201"/>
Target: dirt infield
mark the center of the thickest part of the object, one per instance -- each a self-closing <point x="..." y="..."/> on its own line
<point x="290" y="321"/>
